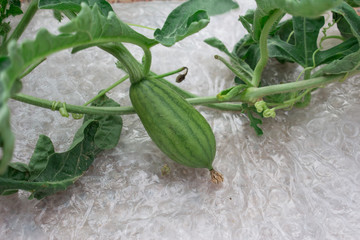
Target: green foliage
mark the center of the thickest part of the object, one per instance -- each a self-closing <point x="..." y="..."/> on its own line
<point x="189" y="18"/>
<point x="6" y="136"/>
<point x="216" y="43"/>
<point x="57" y="15"/>
<point x="353" y="3"/>
<point x="250" y="111"/>
<point x="247" y="20"/>
<point x="347" y="64"/>
<point x="92" y="23"/>
<point x="49" y="172"/>
<point x="304" y="8"/>
<point x="303" y="102"/>
<point x="351" y="17"/>
<point x="306" y="32"/>
<point x="60" y="169"/>
<point x="4" y="63"/>
<point x="7" y="9"/>
<point x="75" y="5"/>
<point x="294" y="40"/>
<point x="110" y="125"/>
<point x="248" y="50"/>
<point x="89" y="27"/>
<point x="239" y="67"/>
<point x="300" y="47"/>
<point x="351" y="61"/>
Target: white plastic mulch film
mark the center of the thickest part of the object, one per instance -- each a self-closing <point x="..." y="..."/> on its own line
<point x="300" y="180"/>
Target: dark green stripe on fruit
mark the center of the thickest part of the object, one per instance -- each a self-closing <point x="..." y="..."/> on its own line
<point x="177" y="128"/>
<point x="180" y="141"/>
<point x="180" y="116"/>
<point x="157" y="127"/>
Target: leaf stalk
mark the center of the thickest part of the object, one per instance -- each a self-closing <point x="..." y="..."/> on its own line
<point x="264" y="53"/>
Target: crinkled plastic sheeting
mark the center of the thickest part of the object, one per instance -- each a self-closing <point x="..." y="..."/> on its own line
<point x="300" y="180"/>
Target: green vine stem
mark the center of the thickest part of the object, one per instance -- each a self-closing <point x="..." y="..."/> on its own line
<point x="120" y="52"/>
<point x="290" y="35"/>
<point x="147" y="59"/>
<point x="140" y="26"/>
<point x="31" y="68"/>
<point x="69" y="14"/>
<point x="135" y="70"/>
<point x="333" y="37"/>
<point x="170" y="73"/>
<point x="103" y="92"/>
<point x="73" y="108"/>
<point x="113" y="110"/>
<point x="249" y="95"/>
<point x="238" y="73"/>
<point x="264" y="54"/>
<point x="24" y="22"/>
<point x="185" y="94"/>
<point x="253" y="94"/>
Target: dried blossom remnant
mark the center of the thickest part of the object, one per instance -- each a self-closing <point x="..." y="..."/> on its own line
<point x="181" y="77"/>
<point x="216" y="177"/>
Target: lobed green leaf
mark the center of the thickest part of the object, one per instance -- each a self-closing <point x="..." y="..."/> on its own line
<point x="110" y="125"/>
<point x="303" y="8"/>
<point x="7" y="9"/>
<point x="90" y="27"/>
<point x="216" y="43"/>
<point x="10" y="8"/>
<point x="298" y="47"/>
<point x="306" y="32"/>
<point x="254" y="121"/>
<point x="189" y="18"/>
<point x="347" y="64"/>
<point x="350" y="62"/>
<point x="339" y="51"/>
<point x="49" y="172"/>
<point x="247" y="20"/>
<point x="75" y="5"/>
<point x="18" y="172"/>
<point x="352" y="18"/>
<point x="14" y="10"/>
<point x="353" y="3"/>
<point x="342" y="25"/>
<point x="60" y="170"/>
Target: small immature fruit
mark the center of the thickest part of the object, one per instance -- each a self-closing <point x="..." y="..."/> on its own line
<point x="175" y="126"/>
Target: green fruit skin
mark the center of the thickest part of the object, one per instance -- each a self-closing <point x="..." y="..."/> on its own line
<point x="175" y="126"/>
